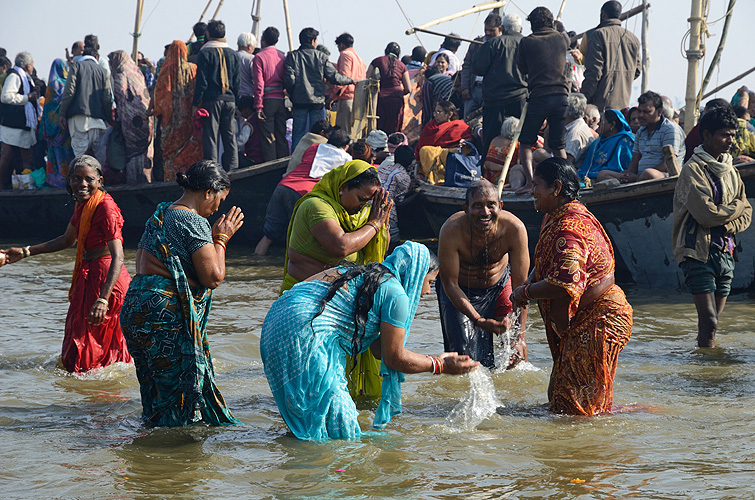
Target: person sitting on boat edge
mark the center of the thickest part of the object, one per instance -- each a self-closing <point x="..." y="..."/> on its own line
<point x="743" y="148"/>
<point x="483" y="253"/>
<point x="318" y="134"/>
<point x="656" y="131"/>
<point x="610" y="154"/>
<point x="578" y="135"/>
<point x="710" y="207"/>
<point x="444" y="131"/>
<point x="318" y="160"/>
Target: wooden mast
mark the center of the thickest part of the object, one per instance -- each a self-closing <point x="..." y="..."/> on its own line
<point x="137" y="34"/>
<point x="256" y="18"/>
<point x="201" y="16"/>
<point x="288" y="26"/>
<point x="645" y="51"/>
<point x="476" y="8"/>
<point x="717" y="55"/>
<point x="694" y="54"/>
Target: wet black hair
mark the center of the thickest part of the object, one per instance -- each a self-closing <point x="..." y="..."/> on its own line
<point x="346" y="39"/>
<point x="339" y="137"/>
<point x="86" y="161"/>
<point x="204" y="175"/>
<point x="560" y="169"/>
<point x="216" y="29"/>
<point x="540" y="17"/>
<point x="308" y="35"/>
<point x="270" y="35"/>
<point x="717" y="119"/>
<point x="374" y="274"/>
<point x="369" y="177"/>
<point x="404" y="155"/>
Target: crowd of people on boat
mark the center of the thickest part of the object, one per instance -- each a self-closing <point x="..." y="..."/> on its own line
<point x="349" y="290"/>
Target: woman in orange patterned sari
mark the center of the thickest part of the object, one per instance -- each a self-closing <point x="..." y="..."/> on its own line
<point x="174" y="91"/>
<point x="588" y="320"/>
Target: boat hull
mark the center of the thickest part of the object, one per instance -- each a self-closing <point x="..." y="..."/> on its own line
<point x="44" y="214"/>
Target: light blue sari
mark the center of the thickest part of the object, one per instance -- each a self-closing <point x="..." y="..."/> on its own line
<point x="305" y="356"/>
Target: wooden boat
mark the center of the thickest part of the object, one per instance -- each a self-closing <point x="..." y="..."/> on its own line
<point x="637" y="217"/>
<point x="43" y="214"/>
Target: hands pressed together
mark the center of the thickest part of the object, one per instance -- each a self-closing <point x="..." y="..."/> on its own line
<point x="381" y="208"/>
<point x="228" y="223"/>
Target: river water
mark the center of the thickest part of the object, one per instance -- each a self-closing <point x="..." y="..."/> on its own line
<point x="684" y="428"/>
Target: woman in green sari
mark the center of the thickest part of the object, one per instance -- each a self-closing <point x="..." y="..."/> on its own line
<point x="336" y="222"/>
<point x="179" y="261"/>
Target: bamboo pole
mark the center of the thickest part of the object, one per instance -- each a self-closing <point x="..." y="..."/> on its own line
<point x="510" y="154"/>
<point x="476" y="8"/>
<point x="456" y="37"/>
<point x="288" y="26"/>
<point x="717" y="55"/>
<point x="215" y="14"/>
<point x="623" y="17"/>
<point x="561" y="10"/>
<point x="645" y="48"/>
<point x="256" y="18"/>
<point x="726" y="84"/>
<point x="694" y="54"/>
<point x="137" y="34"/>
<point x="206" y="7"/>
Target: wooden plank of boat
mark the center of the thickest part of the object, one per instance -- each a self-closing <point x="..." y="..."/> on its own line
<point x="44" y="213"/>
<point x="637" y="217"/>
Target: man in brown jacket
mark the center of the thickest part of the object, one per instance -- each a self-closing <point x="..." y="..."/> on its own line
<point x="612" y="61"/>
<point x="710" y="207"/>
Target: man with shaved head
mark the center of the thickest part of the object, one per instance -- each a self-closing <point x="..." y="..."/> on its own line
<point x="483" y="253"/>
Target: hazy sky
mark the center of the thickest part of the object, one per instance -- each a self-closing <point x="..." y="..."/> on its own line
<point x="45" y="28"/>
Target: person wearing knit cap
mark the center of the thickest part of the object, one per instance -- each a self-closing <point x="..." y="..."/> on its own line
<point x="377" y="139"/>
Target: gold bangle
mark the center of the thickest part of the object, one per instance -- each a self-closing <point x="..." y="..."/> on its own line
<point x="104" y="301"/>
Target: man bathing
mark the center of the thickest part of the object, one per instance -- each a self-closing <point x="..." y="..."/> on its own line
<point x="483" y="253"/>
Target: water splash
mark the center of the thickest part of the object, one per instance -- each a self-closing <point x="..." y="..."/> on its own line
<point x="505" y="348"/>
<point x="478" y="404"/>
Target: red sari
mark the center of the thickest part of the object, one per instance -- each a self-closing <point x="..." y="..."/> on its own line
<point x="444" y="135"/>
<point x="86" y="346"/>
<point x="574" y="253"/>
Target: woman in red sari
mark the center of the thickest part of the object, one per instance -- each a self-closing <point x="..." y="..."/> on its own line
<point x="444" y="131"/>
<point x="93" y="337"/>
<point x="588" y="320"/>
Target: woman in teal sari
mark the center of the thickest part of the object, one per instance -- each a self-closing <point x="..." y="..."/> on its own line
<point x="59" y="152"/>
<point x="310" y="330"/>
<point x="179" y="262"/>
<point x="609" y="155"/>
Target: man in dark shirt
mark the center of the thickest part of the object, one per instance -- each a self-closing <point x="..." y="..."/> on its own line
<point x="504" y="89"/>
<point x="542" y="57"/>
<point x="217" y="90"/>
<point x="471" y="81"/>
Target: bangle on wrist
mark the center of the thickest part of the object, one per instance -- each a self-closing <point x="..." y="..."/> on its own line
<point x="104" y="301"/>
<point x="27" y="251"/>
<point x="374" y="226"/>
<point x="474" y="321"/>
<point x="221" y="243"/>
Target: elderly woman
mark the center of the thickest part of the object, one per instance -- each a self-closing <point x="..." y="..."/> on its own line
<point x="311" y="329"/>
<point x="444" y="131"/>
<point x="394" y="84"/>
<point x="132" y="101"/>
<point x="609" y="155"/>
<point x="499" y="149"/>
<point x="59" y="152"/>
<point x="93" y="337"/>
<point x="588" y="320"/>
<point x="334" y="222"/>
<point x="18" y="120"/>
<point x="172" y="105"/>
<point x="179" y="261"/>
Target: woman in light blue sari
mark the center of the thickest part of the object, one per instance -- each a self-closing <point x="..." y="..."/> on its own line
<point x="342" y="311"/>
<point x="609" y="155"/>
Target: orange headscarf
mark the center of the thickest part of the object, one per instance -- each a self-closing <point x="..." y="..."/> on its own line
<point x="175" y="73"/>
<point x="84" y="226"/>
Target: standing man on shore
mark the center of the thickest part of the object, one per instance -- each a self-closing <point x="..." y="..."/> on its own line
<point x="350" y="65"/>
<point x="483" y="253"/>
<point x="710" y="207"/>
<point x="269" y="101"/>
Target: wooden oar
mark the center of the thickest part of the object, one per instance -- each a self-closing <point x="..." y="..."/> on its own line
<point x="512" y="147"/>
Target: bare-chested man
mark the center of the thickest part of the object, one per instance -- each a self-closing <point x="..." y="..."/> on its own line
<point x="483" y="253"/>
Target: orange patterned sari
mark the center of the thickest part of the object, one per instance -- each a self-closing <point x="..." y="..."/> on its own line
<point x="574" y="253"/>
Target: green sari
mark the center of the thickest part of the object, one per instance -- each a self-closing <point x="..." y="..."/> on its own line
<point x="364" y="379"/>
